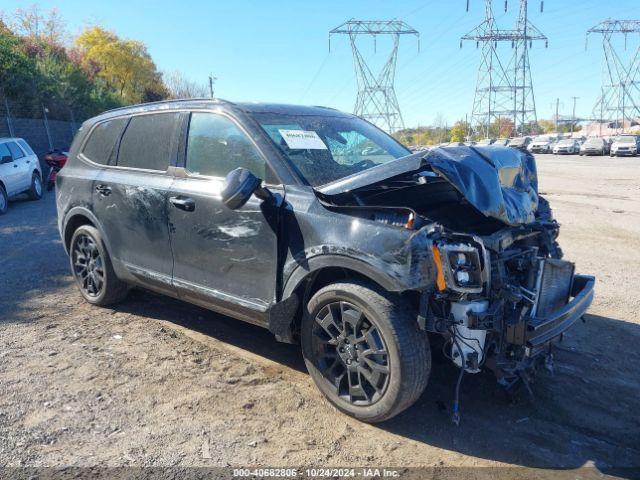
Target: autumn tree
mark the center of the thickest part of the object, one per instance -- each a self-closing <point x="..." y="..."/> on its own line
<point x="124" y="65"/>
<point x="459" y="132"/>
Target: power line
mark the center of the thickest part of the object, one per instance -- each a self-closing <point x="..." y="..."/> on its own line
<point x="504" y="88"/>
<point x="376" y="99"/>
<point x="619" y="101"/>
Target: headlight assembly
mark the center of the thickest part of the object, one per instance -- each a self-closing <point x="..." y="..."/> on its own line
<point x="459" y="267"/>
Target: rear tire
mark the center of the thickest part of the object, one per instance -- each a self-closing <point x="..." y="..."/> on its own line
<point x="92" y="269"/>
<point x="4" y="200"/>
<point x="35" y="191"/>
<point x="364" y="350"/>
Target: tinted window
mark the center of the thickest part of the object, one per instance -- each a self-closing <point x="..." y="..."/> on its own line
<point x="5" y="154"/>
<point x="101" y="145"/>
<point x="15" y="150"/>
<point x="149" y="141"/>
<point x="216" y="146"/>
<point x="26" y="147"/>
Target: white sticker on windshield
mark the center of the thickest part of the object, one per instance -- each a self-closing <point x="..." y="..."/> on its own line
<point x="302" y="140"/>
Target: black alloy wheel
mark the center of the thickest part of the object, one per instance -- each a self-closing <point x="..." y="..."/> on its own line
<point x="88" y="265"/>
<point x="350" y="352"/>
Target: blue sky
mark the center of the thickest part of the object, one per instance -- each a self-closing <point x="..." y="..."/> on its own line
<point x="278" y="50"/>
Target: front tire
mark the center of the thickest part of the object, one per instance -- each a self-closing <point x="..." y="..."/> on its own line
<point x="92" y="270"/>
<point x="35" y="191"/>
<point x="364" y="350"/>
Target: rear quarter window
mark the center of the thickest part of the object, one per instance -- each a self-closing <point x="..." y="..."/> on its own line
<point x="103" y="139"/>
<point x="26" y="147"/>
<point x="149" y="141"/>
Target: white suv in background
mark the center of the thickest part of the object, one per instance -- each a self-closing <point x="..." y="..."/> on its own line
<point x="19" y="171"/>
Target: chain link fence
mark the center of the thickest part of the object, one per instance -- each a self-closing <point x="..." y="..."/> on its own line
<point x="44" y="126"/>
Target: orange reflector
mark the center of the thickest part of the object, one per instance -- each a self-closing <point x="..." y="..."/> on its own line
<point x="410" y="222"/>
<point x="439" y="273"/>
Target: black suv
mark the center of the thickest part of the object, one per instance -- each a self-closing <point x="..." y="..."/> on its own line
<point x="320" y="227"/>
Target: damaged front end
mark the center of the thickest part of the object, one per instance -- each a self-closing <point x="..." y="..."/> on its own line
<point x="502" y="293"/>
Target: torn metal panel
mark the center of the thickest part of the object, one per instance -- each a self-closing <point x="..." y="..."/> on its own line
<point x="500" y="182"/>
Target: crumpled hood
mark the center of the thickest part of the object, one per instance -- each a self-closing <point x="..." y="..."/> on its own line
<point x="500" y="182"/>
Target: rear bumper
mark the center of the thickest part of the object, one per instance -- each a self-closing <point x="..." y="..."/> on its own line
<point x="540" y="331"/>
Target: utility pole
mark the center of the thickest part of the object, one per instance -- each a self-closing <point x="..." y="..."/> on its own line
<point x="619" y="101"/>
<point x="557" y="113"/>
<point x="212" y="80"/>
<point x="573" y="116"/>
<point x="376" y="100"/>
<point x="504" y="87"/>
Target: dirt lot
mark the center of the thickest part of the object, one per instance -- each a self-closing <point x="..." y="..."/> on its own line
<point x="158" y="382"/>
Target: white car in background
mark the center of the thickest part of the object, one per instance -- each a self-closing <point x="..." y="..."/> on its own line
<point x="19" y="171"/>
<point x="568" y="146"/>
<point x="543" y="144"/>
<point x="625" y="145"/>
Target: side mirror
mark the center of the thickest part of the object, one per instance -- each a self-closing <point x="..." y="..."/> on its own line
<point x="6" y="159"/>
<point x="239" y="185"/>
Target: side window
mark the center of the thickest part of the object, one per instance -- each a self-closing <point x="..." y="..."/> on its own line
<point x="15" y="150"/>
<point x="5" y="154"/>
<point x="25" y="146"/>
<point x="101" y="146"/>
<point x="216" y="146"/>
<point x="149" y="141"/>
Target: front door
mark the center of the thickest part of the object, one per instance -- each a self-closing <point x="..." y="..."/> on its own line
<point x="223" y="259"/>
<point x="130" y="198"/>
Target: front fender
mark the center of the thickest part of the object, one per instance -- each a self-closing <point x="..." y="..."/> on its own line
<point x="409" y="266"/>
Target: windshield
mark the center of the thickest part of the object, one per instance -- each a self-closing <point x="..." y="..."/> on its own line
<point x="626" y="139"/>
<point x="325" y="148"/>
<point x="517" y="141"/>
<point x="543" y="139"/>
<point x="593" y="141"/>
<point x="565" y="142"/>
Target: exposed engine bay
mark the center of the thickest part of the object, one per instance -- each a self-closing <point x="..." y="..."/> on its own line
<point x="503" y="294"/>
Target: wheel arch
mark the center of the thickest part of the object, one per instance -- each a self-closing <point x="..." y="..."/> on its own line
<point x="75" y="218"/>
<point x="304" y="282"/>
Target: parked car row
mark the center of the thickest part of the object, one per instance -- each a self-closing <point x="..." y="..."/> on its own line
<point x="553" y="143"/>
<point x="19" y="171"/>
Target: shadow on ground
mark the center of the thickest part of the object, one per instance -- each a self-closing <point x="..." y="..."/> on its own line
<point x="581" y="414"/>
<point x="585" y="413"/>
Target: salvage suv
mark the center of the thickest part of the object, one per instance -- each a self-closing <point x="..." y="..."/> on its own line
<point x="323" y="229"/>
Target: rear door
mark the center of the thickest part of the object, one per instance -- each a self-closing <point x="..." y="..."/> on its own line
<point x="130" y="198"/>
<point x="9" y="171"/>
<point x="224" y="259"/>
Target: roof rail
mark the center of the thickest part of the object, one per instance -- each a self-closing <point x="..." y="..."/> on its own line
<point x="173" y="100"/>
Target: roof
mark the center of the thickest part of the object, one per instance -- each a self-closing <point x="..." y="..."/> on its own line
<point x="282" y="108"/>
<point x="248" y="107"/>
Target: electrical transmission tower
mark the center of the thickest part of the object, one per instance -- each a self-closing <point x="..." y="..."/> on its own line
<point x="504" y="89"/>
<point x="620" y="94"/>
<point x="376" y="100"/>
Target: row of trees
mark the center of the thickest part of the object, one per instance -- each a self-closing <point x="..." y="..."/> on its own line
<point x="40" y="64"/>
<point x="503" y="127"/>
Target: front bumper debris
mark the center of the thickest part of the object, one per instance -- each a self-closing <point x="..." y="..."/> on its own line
<point x="540" y="331"/>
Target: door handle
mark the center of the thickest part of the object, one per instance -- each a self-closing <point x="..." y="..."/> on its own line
<point x="104" y="190"/>
<point x="15" y="165"/>
<point x="183" y="203"/>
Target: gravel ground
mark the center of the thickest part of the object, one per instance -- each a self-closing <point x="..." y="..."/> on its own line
<point x="157" y="382"/>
